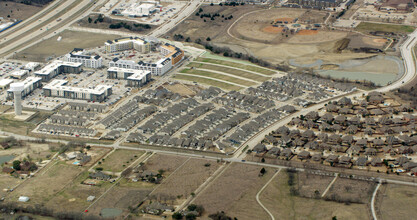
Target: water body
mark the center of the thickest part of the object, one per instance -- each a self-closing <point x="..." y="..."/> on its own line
<point x="345" y="72"/>
<point x="110" y="212"/>
<point x="6" y="158"/>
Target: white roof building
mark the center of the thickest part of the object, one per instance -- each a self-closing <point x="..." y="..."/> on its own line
<point x="23" y="199"/>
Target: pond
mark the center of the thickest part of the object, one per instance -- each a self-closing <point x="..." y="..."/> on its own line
<point x="6" y="158"/>
<point x="110" y="212"/>
<point x="377" y="78"/>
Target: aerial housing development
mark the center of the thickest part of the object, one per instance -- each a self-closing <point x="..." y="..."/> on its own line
<point x="249" y="109"/>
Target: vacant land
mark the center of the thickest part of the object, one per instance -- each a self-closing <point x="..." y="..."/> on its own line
<point x="17" y="11"/>
<point x="219" y="76"/>
<point x="310" y="185"/>
<point x="50" y="48"/>
<point x="252" y="68"/>
<point x="180" y="88"/>
<point x="223" y="85"/>
<point x="349" y="190"/>
<point x="40" y="190"/>
<point x="7" y="182"/>
<point x="367" y="27"/>
<point x="229" y="70"/>
<point x="187" y="179"/>
<point x="119" y="160"/>
<point x="234" y="192"/>
<point x="93" y="21"/>
<point x="282" y="204"/>
<point x="398" y="202"/>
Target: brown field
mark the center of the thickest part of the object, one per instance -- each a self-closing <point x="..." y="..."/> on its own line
<point x="308" y="32"/>
<point x="17" y="11"/>
<point x="272" y="29"/>
<point x="40" y="190"/>
<point x="167" y="163"/>
<point x="119" y="160"/>
<point x="357" y="191"/>
<point x="7" y="182"/>
<point x="278" y="200"/>
<point x="70" y="39"/>
<point x="234" y="192"/>
<point x="180" y="89"/>
<point x="398" y="202"/>
<point x="187" y="179"/>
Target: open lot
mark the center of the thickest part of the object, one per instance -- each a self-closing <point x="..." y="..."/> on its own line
<point x="367" y="27"/>
<point x="283" y="205"/>
<point x="209" y="82"/>
<point x="40" y="190"/>
<point x="234" y="192"/>
<point x="310" y="185"/>
<point x="17" y="11"/>
<point x="398" y="202"/>
<point x="167" y="163"/>
<point x="70" y="39"/>
<point x="119" y="160"/>
<point x="187" y="179"/>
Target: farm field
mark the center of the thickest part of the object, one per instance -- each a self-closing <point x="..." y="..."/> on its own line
<point x="70" y="40"/>
<point x="210" y="82"/>
<point x="187" y="179"/>
<point x="198" y="72"/>
<point x="367" y="27"/>
<point x="398" y="202"/>
<point x="283" y="205"/>
<point x="119" y="160"/>
<point x="234" y="192"/>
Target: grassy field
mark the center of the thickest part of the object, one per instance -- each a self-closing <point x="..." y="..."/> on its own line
<point x="217" y="76"/>
<point x="234" y="192"/>
<point x="351" y="190"/>
<point x="237" y="65"/>
<point x="70" y="39"/>
<point x="368" y="27"/>
<point x="278" y="200"/>
<point x="17" y="11"/>
<point x="398" y="202"/>
<point x="232" y="71"/>
<point x="167" y="163"/>
<point x="210" y="82"/>
<point x="40" y="190"/>
<point x="119" y="160"/>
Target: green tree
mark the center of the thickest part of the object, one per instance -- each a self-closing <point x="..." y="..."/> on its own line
<point x="90" y="20"/>
<point x="263" y="160"/>
<point x="263" y="171"/>
<point x="16" y="165"/>
<point x="177" y="215"/>
<point x="208" y="39"/>
<point x="190" y="216"/>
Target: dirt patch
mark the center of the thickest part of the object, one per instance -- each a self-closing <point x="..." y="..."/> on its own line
<point x="383" y="41"/>
<point x="307" y="32"/>
<point x="272" y="29"/>
<point x="180" y="88"/>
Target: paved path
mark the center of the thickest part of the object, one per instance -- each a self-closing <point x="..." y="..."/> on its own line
<point x="260" y="191"/>
<point x="231" y="67"/>
<point x="373" y="202"/>
<point x="330" y="185"/>
<point x="228" y="74"/>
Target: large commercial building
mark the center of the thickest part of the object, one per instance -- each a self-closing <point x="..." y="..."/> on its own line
<point x="128" y="43"/>
<point x="78" y="56"/>
<point x="58" y="88"/>
<point x="172" y="56"/>
<point x="135" y="78"/>
<point x="29" y="84"/>
<point x="57" y="67"/>
<point x="5" y="84"/>
<point x="140" y="10"/>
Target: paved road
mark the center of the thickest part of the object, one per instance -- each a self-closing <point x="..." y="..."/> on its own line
<point x="373" y="202"/>
<point x="260" y="191"/>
